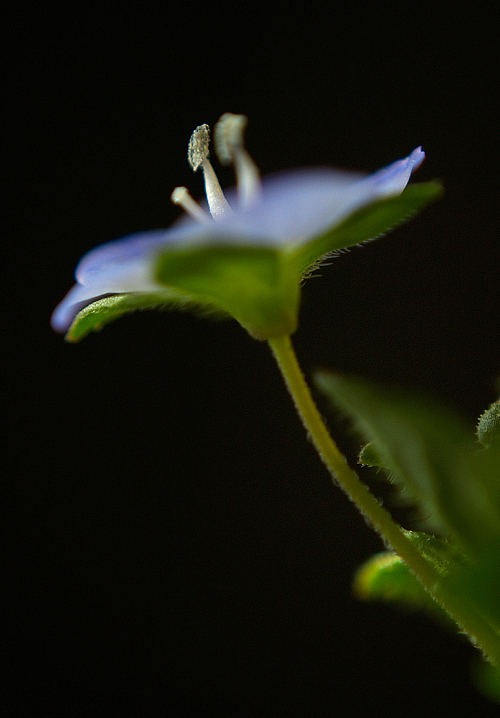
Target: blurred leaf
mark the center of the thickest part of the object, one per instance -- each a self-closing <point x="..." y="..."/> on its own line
<point x="386" y="577"/>
<point x="486" y="678"/>
<point x="370" y="456"/>
<point x="444" y="556"/>
<point x="369" y="223"/>
<point x="431" y="456"/>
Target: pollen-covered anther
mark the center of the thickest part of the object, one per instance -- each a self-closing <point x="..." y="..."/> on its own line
<point x="230" y="149"/>
<point x="198" y="153"/>
<point x="181" y="196"/>
<point x="199" y="143"/>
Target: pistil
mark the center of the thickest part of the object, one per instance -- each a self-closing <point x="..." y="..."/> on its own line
<point x="181" y="196"/>
<point x="230" y="149"/>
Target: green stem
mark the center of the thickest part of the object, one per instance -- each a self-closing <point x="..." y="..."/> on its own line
<point x="475" y="626"/>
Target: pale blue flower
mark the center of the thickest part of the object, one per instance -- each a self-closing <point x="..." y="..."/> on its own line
<point x="285" y="211"/>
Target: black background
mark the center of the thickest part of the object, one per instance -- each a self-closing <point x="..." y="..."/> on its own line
<point x="175" y="544"/>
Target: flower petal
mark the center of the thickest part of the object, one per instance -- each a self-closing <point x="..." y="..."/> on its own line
<point x="393" y="179"/>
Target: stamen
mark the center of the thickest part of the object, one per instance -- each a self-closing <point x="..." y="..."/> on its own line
<point x="228" y="135"/>
<point x="198" y="153"/>
<point x="181" y="196"/>
<point x="230" y="149"/>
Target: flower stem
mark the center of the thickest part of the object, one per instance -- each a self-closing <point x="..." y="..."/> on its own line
<point x="479" y="630"/>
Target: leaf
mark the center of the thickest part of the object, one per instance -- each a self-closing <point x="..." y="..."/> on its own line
<point x="370" y="456"/>
<point x="486" y="678"/>
<point x="431" y="456"/>
<point x="386" y="577"/>
<point x="369" y="223"/>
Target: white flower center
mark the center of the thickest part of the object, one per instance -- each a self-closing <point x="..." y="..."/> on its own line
<point x="230" y="149"/>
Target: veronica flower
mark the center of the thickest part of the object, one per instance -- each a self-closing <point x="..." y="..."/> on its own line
<point x="246" y="254"/>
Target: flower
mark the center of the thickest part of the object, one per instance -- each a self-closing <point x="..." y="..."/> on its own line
<point x="252" y="247"/>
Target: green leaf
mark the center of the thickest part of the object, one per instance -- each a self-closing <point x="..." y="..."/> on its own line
<point x="96" y="315"/>
<point x="444" y="556"/>
<point x="386" y="577"/>
<point x="255" y="285"/>
<point x="368" y="223"/>
<point x="431" y="456"/>
<point x="370" y="456"/>
<point x="486" y="678"/>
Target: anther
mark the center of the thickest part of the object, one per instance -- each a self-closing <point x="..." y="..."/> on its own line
<point x="198" y="146"/>
<point x="230" y="149"/>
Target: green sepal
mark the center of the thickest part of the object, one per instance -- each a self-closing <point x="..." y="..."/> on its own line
<point x="430" y="455"/>
<point x="96" y="315"/>
<point x="367" y="223"/>
<point x="255" y="285"/>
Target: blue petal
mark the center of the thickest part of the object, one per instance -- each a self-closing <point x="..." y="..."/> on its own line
<point x="391" y="181"/>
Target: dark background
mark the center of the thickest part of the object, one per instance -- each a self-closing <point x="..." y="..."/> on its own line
<point x="175" y="544"/>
